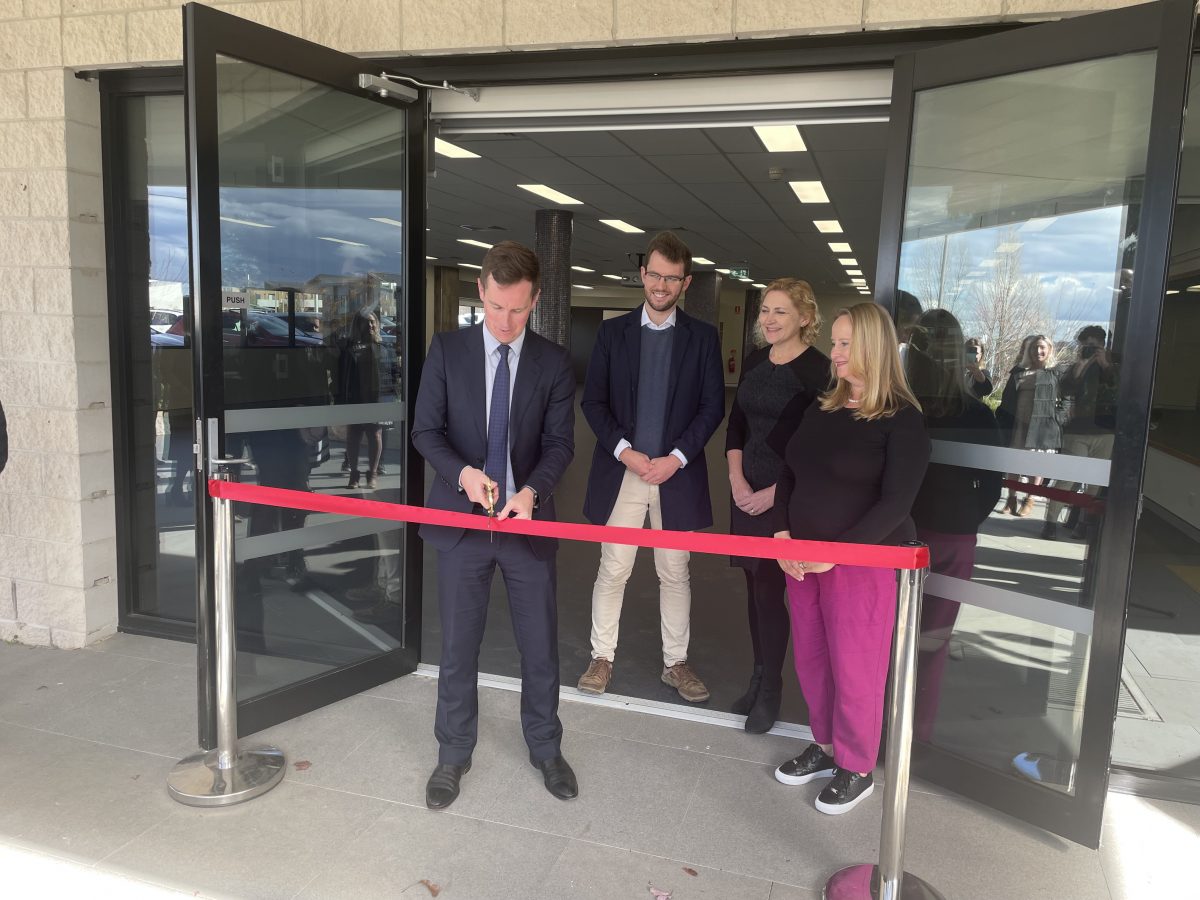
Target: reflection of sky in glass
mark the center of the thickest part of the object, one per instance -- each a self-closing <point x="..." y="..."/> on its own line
<point x="1075" y="259"/>
<point x="311" y="232"/>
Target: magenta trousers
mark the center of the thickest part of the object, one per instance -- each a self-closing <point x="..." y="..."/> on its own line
<point x="842" y="623"/>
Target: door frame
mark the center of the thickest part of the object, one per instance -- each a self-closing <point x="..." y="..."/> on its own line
<point x="1167" y="27"/>
<point x="207" y="34"/>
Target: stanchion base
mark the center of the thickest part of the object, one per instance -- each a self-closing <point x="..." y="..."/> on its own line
<point x="197" y="781"/>
<point x="863" y="883"/>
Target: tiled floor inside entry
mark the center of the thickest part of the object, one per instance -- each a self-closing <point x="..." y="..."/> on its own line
<point x="691" y="810"/>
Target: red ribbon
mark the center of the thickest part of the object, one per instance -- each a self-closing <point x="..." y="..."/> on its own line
<point x="874" y="555"/>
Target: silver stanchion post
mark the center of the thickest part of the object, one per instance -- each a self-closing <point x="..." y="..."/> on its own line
<point x="227" y="774"/>
<point x="888" y="880"/>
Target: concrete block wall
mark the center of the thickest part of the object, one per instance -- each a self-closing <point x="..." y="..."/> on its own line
<point x="57" y="547"/>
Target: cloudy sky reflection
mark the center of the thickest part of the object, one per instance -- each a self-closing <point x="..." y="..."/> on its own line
<point x="290" y="248"/>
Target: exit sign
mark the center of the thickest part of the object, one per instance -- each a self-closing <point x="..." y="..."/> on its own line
<point x="739" y="273"/>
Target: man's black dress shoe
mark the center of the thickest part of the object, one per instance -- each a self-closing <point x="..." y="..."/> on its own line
<point x="442" y="787"/>
<point x="559" y="777"/>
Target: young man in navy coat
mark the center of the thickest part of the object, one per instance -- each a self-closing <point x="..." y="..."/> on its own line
<point x="655" y="393"/>
<point x="495" y="418"/>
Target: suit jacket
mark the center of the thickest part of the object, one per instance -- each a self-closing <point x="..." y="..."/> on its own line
<point x="695" y="407"/>
<point x="450" y="424"/>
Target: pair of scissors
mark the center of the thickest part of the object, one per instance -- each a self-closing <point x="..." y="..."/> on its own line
<point x="489" y="493"/>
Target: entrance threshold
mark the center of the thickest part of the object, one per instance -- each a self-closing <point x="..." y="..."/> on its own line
<point x="636" y="704"/>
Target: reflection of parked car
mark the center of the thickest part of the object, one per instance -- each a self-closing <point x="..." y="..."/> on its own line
<point x="251" y="328"/>
<point x="388" y="330"/>
<point x="165" y="340"/>
<point x="162" y="319"/>
<point x="306" y="323"/>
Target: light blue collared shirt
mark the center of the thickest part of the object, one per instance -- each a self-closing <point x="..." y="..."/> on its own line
<point x="623" y="445"/>
<point x="491" y="354"/>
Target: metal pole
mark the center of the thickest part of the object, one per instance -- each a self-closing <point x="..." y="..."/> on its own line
<point x="888" y="880"/>
<point x="226" y="774"/>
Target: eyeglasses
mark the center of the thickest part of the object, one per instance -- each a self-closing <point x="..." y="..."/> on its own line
<point x="668" y="279"/>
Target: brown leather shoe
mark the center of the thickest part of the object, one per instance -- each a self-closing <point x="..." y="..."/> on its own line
<point x="1026" y="506"/>
<point x="595" y="679"/>
<point x="681" y="677"/>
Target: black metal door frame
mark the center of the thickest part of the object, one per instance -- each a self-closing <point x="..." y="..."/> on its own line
<point x="1167" y="27"/>
<point x="207" y="35"/>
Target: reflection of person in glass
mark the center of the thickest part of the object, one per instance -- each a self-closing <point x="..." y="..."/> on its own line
<point x="953" y="501"/>
<point x="850" y="474"/>
<point x="977" y="379"/>
<point x="495" y="419"/>
<point x="358" y="382"/>
<point x="1029" y="409"/>
<point x="1089" y="393"/>
<point x="779" y="382"/>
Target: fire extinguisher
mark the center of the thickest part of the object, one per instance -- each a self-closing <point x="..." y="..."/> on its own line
<point x="732" y="362"/>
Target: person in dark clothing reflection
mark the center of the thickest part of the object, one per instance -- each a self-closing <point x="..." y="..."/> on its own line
<point x="779" y="382"/>
<point x="953" y="501"/>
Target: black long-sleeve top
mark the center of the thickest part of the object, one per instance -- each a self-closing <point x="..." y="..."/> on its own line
<point x="851" y="480"/>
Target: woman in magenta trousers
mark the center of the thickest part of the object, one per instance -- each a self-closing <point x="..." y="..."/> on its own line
<point x="851" y="472"/>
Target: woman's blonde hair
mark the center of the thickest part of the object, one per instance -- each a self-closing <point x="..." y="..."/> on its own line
<point x="874" y="357"/>
<point x="803" y="299"/>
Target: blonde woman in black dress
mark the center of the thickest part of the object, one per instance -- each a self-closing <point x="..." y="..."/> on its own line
<point x="779" y="382"/>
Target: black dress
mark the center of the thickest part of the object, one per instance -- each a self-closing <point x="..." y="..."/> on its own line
<point x="769" y="405"/>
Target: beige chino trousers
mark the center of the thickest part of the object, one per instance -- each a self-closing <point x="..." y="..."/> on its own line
<point x="635" y="501"/>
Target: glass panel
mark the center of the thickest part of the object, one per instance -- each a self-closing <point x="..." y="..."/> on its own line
<point x="159" y="404"/>
<point x="312" y="319"/>
<point x="1158" y="715"/>
<point x="1020" y="232"/>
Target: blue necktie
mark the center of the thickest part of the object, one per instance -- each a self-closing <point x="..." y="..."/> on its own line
<point x="496" y="466"/>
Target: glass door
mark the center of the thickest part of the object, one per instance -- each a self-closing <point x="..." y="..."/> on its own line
<point x="306" y="234"/>
<point x="1028" y="205"/>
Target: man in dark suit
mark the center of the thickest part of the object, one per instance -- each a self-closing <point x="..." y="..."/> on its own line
<point x="655" y="393"/>
<point x="505" y="448"/>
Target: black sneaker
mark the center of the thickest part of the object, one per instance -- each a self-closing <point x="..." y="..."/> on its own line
<point x="810" y="765"/>
<point x="845" y="792"/>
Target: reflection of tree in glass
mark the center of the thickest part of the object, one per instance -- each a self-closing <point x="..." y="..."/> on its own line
<point x="938" y="273"/>
<point x="1006" y="304"/>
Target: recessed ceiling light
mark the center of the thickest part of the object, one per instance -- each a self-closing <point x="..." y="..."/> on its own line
<point x="234" y="221"/>
<point x="615" y="277"/>
<point x="469" y="266"/>
<point x="551" y="194"/>
<point x="452" y="150"/>
<point x="1172" y="292"/>
<point x="747" y="280"/>
<point x="854" y="271"/>
<point x="474" y="243"/>
<point x="723" y="271"/>
<point x="582" y="269"/>
<point x="809" y="191"/>
<point x="848" y="261"/>
<point x="780" y="138"/>
<point x="701" y="261"/>
<point x="384" y="220"/>
<point x="431" y="257"/>
<point x="583" y="287"/>
<point x="757" y="285"/>
<point x="858" y="281"/>
<point x="333" y="240"/>
<point x="840" y="247"/>
<point x="622" y="226"/>
<point x="1193" y="288"/>
<point x="828" y="226"/>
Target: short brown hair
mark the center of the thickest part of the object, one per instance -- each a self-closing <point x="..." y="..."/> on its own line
<point x="667" y="245"/>
<point x="510" y="262"/>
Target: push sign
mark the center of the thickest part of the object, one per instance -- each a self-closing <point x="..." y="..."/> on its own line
<point x="233" y="300"/>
